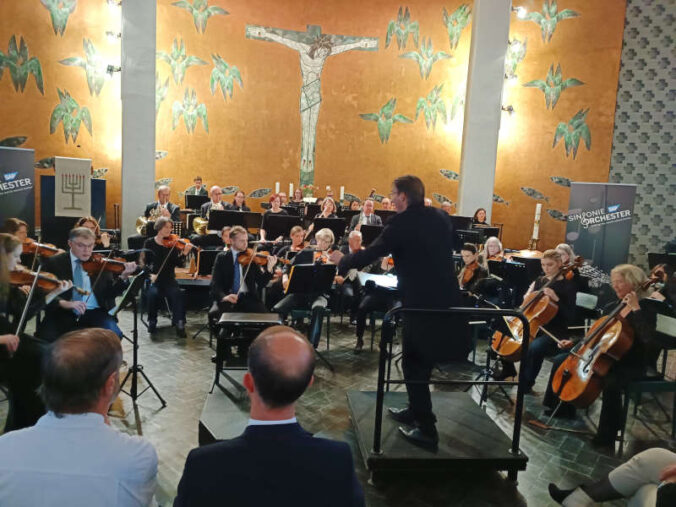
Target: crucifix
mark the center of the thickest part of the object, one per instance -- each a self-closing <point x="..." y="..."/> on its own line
<point x="314" y="48"/>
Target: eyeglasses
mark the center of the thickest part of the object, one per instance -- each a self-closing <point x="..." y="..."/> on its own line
<point x="83" y="246"/>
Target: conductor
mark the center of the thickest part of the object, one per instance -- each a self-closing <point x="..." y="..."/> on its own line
<point x="420" y="241"/>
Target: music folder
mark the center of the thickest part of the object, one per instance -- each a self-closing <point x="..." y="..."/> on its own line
<point x="224" y="218"/>
<point x="195" y="201"/>
<point x="276" y="225"/>
<point x="336" y="225"/>
<point x="311" y="278"/>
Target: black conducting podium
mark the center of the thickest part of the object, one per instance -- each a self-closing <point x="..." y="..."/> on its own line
<point x="468" y="437"/>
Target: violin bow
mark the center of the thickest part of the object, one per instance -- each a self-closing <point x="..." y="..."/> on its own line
<point x="24" y="314"/>
<point x="166" y="258"/>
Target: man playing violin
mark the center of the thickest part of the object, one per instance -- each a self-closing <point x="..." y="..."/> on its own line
<point x="235" y="286"/>
<point x="162" y="260"/>
<point x="72" y="310"/>
<point x="562" y="292"/>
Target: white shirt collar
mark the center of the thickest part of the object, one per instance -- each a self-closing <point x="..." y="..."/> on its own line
<point x="258" y="422"/>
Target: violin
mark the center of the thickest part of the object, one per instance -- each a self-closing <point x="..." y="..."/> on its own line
<point x="322" y="257"/>
<point x="579" y="379"/>
<point x="46" y="281"/>
<point x="98" y="263"/>
<point x="258" y="258"/>
<point x="30" y="246"/>
<point x="538" y="308"/>
<point x="468" y="273"/>
<point x="180" y="244"/>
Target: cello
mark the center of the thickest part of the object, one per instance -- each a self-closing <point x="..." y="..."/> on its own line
<point x="579" y="379"/>
<point x="538" y="308"/>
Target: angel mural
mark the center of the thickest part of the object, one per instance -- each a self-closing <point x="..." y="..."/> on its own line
<point x="314" y="48"/>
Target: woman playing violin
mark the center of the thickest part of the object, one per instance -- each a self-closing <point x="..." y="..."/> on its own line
<point x="472" y="270"/>
<point x="493" y="250"/>
<point x="91" y="223"/>
<point x="562" y="292"/>
<point x="626" y="281"/>
<point x="162" y="260"/>
<point x="20" y="356"/>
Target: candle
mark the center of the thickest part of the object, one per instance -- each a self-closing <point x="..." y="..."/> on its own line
<point x="276" y="187"/>
<point x="290" y="190"/>
<point x="342" y="193"/>
<point x="536" y="225"/>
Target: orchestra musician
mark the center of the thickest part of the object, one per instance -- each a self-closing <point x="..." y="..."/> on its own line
<point x="162" y="261"/>
<point x="473" y="269"/>
<point x="283" y="198"/>
<point x="20" y="356"/>
<point x="625" y="279"/>
<point x="72" y="310"/>
<point x="427" y="202"/>
<point x="350" y="289"/>
<point x="562" y="292"/>
<point x="238" y="202"/>
<point x="197" y="188"/>
<point x="493" y="249"/>
<point x="419" y="239"/>
<point x="366" y="217"/>
<point x="328" y="210"/>
<point x="297" y="197"/>
<point x="567" y="257"/>
<point x="236" y="287"/>
<point x="211" y="239"/>
<point x="162" y="207"/>
<point x="214" y="202"/>
<point x="447" y="207"/>
<point x="91" y="223"/>
<point x="274" y="291"/>
<point x="479" y="217"/>
<point x="275" y="208"/>
<point x="386" y="204"/>
<point x="16" y="227"/>
<point x="355" y="205"/>
<point x="314" y="302"/>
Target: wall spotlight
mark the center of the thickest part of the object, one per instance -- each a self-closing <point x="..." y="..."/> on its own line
<point x="508" y="109"/>
<point x="111" y="69"/>
<point x="521" y="12"/>
<point x="113" y="36"/>
<point x="114" y="3"/>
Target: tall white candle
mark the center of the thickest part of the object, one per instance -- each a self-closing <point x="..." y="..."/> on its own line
<point x="290" y="190"/>
<point x="342" y="193"/>
<point x="536" y="225"/>
<point x="276" y="187"/>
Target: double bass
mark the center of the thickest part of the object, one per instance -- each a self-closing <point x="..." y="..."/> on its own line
<point x="538" y="308"/>
<point x="579" y="379"/>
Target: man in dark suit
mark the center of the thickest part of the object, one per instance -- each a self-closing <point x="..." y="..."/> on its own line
<point x="210" y="239"/>
<point x="275" y="461"/>
<point x="231" y="290"/>
<point x="366" y="217"/>
<point x="162" y="207"/>
<point x="71" y="309"/>
<point x="420" y="241"/>
<point x="215" y="194"/>
<point x="197" y="189"/>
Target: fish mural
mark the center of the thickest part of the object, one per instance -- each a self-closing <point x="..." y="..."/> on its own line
<point x="160" y="154"/>
<point x="441" y="198"/>
<point x="557" y="215"/>
<point x="500" y="200"/>
<point x="377" y="197"/>
<point x="535" y="194"/>
<point x="259" y="192"/>
<point x="163" y="181"/>
<point x="100" y="172"/>
<point x="229" y="190"/>
<point x="450" y="175"/>
<point x="45" y="163"/>
<point x="350" y="197"/>
<point x="560" y="180"/>
<point x="13" y="142"/>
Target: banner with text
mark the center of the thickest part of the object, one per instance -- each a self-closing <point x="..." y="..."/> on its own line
<point x="599" y="223"/>
<point x="17" y="190"/>
<point x="72" y="189"/>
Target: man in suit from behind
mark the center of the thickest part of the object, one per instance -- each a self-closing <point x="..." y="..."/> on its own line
<point x="275" y="461"/>
<point x="366" y="217"/>
<point x="71" y="309"/>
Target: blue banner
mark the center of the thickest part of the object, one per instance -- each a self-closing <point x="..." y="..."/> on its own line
<point x="599" y="222"/>
<point x="17" y="190"/>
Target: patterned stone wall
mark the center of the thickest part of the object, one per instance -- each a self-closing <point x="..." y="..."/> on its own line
<point x="643" y="141"/>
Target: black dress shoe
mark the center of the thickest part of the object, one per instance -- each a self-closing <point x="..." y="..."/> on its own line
<point x="152" y="327"/>
<point x="359" y="347"/>
<point x="426" y="439"/>
<point x="402" y="415"/>
<point x="557" y="494"/>
<point x="180" y="329"/>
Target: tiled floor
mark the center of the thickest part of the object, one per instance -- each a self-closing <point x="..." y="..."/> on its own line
<point x="182" y="372"/>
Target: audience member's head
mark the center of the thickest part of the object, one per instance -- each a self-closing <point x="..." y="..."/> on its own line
<point x="281" y="364"/>
<point x="81" y="372"/>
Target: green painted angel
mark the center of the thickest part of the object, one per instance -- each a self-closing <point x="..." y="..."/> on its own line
<point x="93" y="66"/>
<point x="224" y="76"/>
<point x="161" y="90"/>
<point x="426" y="57"/>
<point x="21" y="66"/>
<point x="386" y="119"/>
<point x="456" y="23"/>
<point x="191" y="111"/>
<point x="549" y="18"/>
<point x="71" y="115"/>
<point x="553" y="85"/>
<point x="201" y="12"/>
<point x="401" y="29"/>
<point x="179" y="61"/>
<point x="431" y="106"/>
<point x="572" y="132"/>
<point x="59" y="10"/>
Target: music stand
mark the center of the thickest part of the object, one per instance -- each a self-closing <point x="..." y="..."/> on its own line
<point x="488" y="231"/>
<point x="533" y="266"/>
<point x="207" y="259"/>
<point x="309" y="279"/>
<point x="347" y="214"/>
<point x="336" y="225"/>
<point x="385" y="214"/>
<point x="312" y="210"/>
<point x="129" y="299"/>
<point x="224" y="218"/>
<point x="661" y="258"/>
<point x="369" y="233"/>
<point x="474" y="236"/>
<point x="252" y="220"/>
<point x="292" y="209"/>
<point x="516" y="276"/>
<point x="459" y="224"/>
<point x="276" y="225"/>
<point x="195" y="201"/>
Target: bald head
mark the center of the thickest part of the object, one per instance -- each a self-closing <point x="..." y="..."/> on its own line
<point x="281" y="362"/>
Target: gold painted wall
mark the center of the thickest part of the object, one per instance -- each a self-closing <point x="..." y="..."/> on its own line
<point x="27" y="113"/>
<point x="588" y="48"/>
<point x="254" y="137"/>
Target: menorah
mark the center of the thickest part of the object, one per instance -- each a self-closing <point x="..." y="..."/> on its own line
<point x="73" y="184"/>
